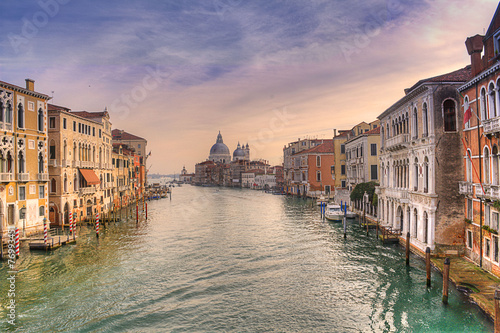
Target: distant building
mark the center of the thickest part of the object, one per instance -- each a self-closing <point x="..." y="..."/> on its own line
<point x="186" y="177"/>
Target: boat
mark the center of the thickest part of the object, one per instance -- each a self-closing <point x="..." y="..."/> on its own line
<point x="333" y="213"/>
<point x="350" y="215"/>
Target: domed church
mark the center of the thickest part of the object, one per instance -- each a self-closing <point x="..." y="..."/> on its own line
<point x="219" y="152"/>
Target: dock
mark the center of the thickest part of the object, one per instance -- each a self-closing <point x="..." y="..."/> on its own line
<point x="53" y="243"/>
<point x="388" y="235"/>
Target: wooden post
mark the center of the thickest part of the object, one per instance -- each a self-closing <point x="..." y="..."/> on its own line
<point x="367" y="230"/>
<point x="146" y="210"/>
<point x="497" y="311"/>
<point x="345" y="226"/>
<point x="446" y="275"/>
<point x="377" y="228"/>
<point x="408" y="249"/>
<point x="428" y="265"/>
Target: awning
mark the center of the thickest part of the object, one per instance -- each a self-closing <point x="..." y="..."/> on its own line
<point x="90" y="176"/>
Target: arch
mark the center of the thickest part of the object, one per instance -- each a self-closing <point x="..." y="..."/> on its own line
<point x="20" y="115"/>
<point x="491" y="100"/>
<point x="40" y="120"/>
<point x="415" y="175"/>
<point x="41" y="166"/>
<point x="450" y="116"/>
<point x="486" y="166"/>
<point x="65" y="186"/>
<point x="426" y="175"/>
<point x="415" y="123"/>
<point x="400" y="218"/>
<point x="21" y="162"/>
<point x="426" y="228"/>
<point x="75" y="183"/>
<point x="468" y="165"/>
<point x="8" y="114"/>
<point x="53" y="185"/>
<point x="484" y="113"/>
<point x="53" y="214"/>
<point x="415" y="223"/>
<point x="425" y="120"/>
<point x="66" y="213"/>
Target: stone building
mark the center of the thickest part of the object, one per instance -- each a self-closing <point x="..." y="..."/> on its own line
<point x="80" y="166"/>
<point x="23" y="158"/>
<point x="480" y="149"/>
<point x="420" y="136"/>
<point x="124" y="178"/>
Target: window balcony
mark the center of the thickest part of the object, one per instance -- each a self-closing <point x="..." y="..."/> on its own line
<point x="397" y="142"/>
<point x="65" y="163"/>
<point x="76" y="164"/>
<point x="491" y="126"/>
<point x="465" y="188"/>
<point x="87" y="190"/>
<point x="123" y="188"/>
<point x="399" y="194"/>
<point x="479" y="190"/>
<point x="6" y="177"/>
<point x="86" y="164"/>
<point x="43" y="177"/>
<point x="23" y="177"/>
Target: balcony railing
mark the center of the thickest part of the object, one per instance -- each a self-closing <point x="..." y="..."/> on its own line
<point x="465" y="188"/>
<point x="65" y="163"/>
<point x="86" y="164"/>
<point x="87" y="190"/>
<point x="123" y="188"/>
<point x="397" y="193"/>
<point x="76" y="164"/>
<point x="479" y="190"/>
<point x="491" y="126"/>
<point x="23" y="177"/>
<point x="397" y="142"/>
<point x="6" y="177"/>
<point x="43" y="177"/>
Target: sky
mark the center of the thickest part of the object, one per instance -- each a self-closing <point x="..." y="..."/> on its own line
<point x="261" y="72"/>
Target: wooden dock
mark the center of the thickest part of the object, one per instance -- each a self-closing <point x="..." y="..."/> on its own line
<point x="388" y="235"/>
<point x="52" y="243"/>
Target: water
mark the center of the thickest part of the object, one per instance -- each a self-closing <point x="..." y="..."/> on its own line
<point x="225" y="260"/>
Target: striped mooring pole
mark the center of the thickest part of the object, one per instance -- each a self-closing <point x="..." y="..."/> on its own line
<point x="70" y="223"/>
<point x="44" y="231"/>
<point x="17" y="242"/>
<point x="146" y="210"/>
<point x="97" y="224"/>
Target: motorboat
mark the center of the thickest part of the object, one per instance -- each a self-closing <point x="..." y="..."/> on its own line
<point x="321" y="199"/>
<point x="333" y="213"/>
<point x="350" y="215"/>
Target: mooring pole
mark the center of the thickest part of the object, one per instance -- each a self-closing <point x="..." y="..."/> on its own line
<point x="408" y="248"/>
<point x="146" y="210"/>
<point x="497" y="311"/>
<point x="345" y="226"/>
<point x="446" y="275"/>
<point x="428" y="265"/>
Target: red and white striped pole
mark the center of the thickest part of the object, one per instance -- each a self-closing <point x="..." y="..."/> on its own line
<point x="17" y="242"/>
<point x="97" y="224"/>
<point x="70" y="223"/>
<point x="44" y="231"/>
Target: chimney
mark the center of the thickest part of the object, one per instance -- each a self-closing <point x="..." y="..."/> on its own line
<point x="474" y="46"/>
<point x="334" y="132"/>
<point x="30" y="84"/>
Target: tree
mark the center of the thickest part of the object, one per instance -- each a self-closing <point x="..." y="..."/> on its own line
<point x="360" y="189"/>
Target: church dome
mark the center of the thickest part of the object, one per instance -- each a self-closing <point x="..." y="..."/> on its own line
<point x="219" y="151"/>
<point x="238" y="152"/>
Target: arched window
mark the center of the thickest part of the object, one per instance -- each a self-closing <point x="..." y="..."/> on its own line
<point x="495" y="172"/>
<point x="407" y="123"/>
<point x="8" y="114"/>
<point x="9" y="162"/>
<point x="426" y="228"/>
<point x="484" y="113"/>
<point x="75" y="152"/>
<point x="426" y="175"/>
<point x="40" y="163"/>
<point x="52" y="150"/>
<point x="466" y="107"/>
<point x="75" y="183"/>
<point x="65" y="184"/>
<point x="1" y="111"/>
<point x="2" y="162"/>
<point x="40" y="120"/>
<point x="65" y="151"/>
<point x="20" y="116"/>
<point x="486" y="160"/>
<point x="415" y="124"/>
<point x="425" y="120"/>
<point x="491" y="100"/>
<point x="450" y="121"/>
<point x="53" y="186"/>
<point x="469" y="165"/>
<point x="415" y="175"/>
<point x="381" y="139"/>
<point x="21" y="162"/>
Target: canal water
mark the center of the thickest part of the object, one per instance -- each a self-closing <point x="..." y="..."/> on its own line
<point x="226" y="260"/>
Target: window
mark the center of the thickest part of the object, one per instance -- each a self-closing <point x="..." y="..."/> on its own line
<point x="415" y="124"/>
<point x="469" y="239"/>
<point x="342" y="169"/>
<point x="74" y="126"/>
<point x="21" y="162"/>
<point x="64" y="123"/>
<point x="52" y="150"/>
<point x="494" y="239"/>
<point x="415" y="176"/>
<point x="343" y="183"/>
<point x="332" y="169"/>
<point x="425" y="120"/>
<point x="40" y="120"/>
<point x="342" y="149"/>
<point x="487" y="215"/>
<point x="318" y="161"/>
<point x="494" y="221"/>
<point x="374" y="126"/>
<point x="361" y="151"/>
<point x="486" y="162"/>
<point x="20" y="116"/>
<point x="93" y="131"/>
<point x="41" y="211"/>
<point x="41" y="191"/>
<point x="374" y="172"/>
<point x="450" y="121"/>
<point x="52" y="122"/>
<point x="491" y="101"/>
<point x="466" y="107"/>
<point x="22" y="193"/>
<point x="318" y="176"/>
<point x="373" y="148"/>
<point x="139" y="145"/>
<point x="426" y="175"/>
<point x="484" y="112"/>
<point x="79" y="128"/>
<point x="41" y="168"/>
<point x="487" y="247"/>
<point x="469" y="166"/>
<point x="53" y="185"/>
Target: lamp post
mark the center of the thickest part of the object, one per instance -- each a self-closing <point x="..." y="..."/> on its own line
<point x="23" y="217"/>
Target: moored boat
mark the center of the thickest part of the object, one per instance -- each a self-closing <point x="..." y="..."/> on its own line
<point x="333" y="213"/>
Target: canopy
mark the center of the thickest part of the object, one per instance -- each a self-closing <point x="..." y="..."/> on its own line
<point x="90" y="176"/>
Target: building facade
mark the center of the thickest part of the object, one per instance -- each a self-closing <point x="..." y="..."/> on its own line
<point x="419" y="135"/>
<point x="480" y="185"/>
<point x="23" y="158"/>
